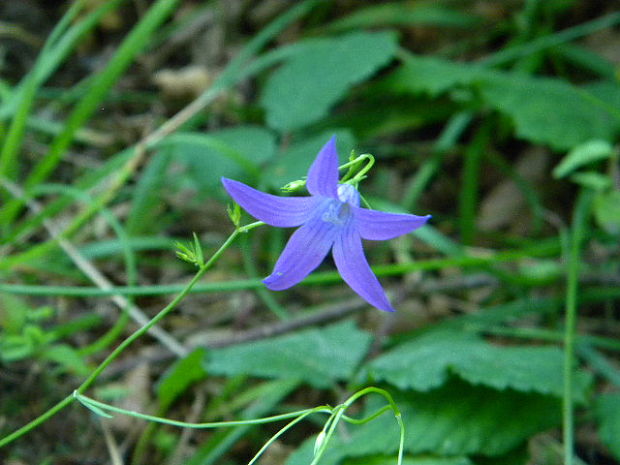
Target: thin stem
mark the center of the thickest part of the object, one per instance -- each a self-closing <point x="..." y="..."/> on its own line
<point x="339" y="413"/>
<point x="360" y="175"/>
<point x="543" y="249"/>
<point x="576" y="236"/>
<point x="130" y="339"/>
<point x="89" y="402"/>
<point x="285" y="429"/>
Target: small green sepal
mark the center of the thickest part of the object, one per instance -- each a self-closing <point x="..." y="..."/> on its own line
<point x="234" y="213"/>
<point x="191" y="253"/>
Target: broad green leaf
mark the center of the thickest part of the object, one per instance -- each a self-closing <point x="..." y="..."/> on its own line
<point x="180" y="376"/>
<point x="460" y="419"/>
<point x="584" y="154"/>
<point x="550" y="111"/>
<point x="433" y="76"/>
<point x="607" y="410"/>
<point x="544" y="110"/>
<point x="293" y="163"/>
<point x="317" y="356"/>
<point x="607" y="93"/>
<point x="305" y="453"/>
<point x="319" y="74"/>
<point x="234" y="152"/>
<point x="455" y="420"/>
<point x="426" y="363"/>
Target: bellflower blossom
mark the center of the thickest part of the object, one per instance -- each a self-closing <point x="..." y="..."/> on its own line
<point x="330" y="219"/>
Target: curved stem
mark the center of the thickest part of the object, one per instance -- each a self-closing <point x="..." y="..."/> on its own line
<point x="88" y="402"/>
<point x="339" y="413"/>
<point x="130" y="339"/>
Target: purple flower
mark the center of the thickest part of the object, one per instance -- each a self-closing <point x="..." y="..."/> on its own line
<point x="329" y="219"/>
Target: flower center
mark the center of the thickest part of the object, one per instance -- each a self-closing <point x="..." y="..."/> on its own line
<point x="338" y="211"/>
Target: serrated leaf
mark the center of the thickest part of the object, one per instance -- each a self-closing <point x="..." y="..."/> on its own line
<point x="426" y="363"/>
<point x="584" y="154"/>
<point x="180" y="376"/>
<point x="304" y="455"/>
<point x="317" y="356"/>
<point x="293" y="163"/>
<point x="544" y="110"/>
<point x="320" y="73"/>
<point x="455" y="420"/>
<point x="607" y="410"/>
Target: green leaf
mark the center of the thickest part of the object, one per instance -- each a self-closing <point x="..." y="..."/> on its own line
<point x="607" y="410"/>
<point x="66" y="357"/>
<point x="15" y="347"/>
<point x="593" y="180"/>
<point x="146" y="204"/>
<point x="607" y="210"/>
<point x="319" y="73"/>
<point x="433" y="76"/>
<point x="460" y="419"/>
<point x="426" y="363"/>
<point x="180" y="376"/>
<point x="317" y="356"/>
<point x="304" y="455"/>
<point x="584" y="154"/>
<point x="293" y="163"/>
<point x="234" y="152"/>
<point x="544" y="110"/>
<point x="455" y="420"/>
<point x="550" y="111"/>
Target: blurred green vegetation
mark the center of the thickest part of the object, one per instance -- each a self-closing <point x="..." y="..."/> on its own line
<point x="501" y="119"/>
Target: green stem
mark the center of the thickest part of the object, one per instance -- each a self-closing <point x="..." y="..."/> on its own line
<point x="468" y="199"/>
<point x="339" y="413"/>
<point x="129" y="340"/>
<point x="544" y="249"/>
<point x="447" y="139"/>
<point x="582" y="209"/>
<point x="542" y="43"/>
<point x="90" y="403"/>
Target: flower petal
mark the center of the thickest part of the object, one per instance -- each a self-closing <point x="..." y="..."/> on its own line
<point x="354" y="269"/>
<point x="380" y="226"/>
<point x="304" y="251"/>
<point x="323" y="174"/>
<point x="284" y="212"/>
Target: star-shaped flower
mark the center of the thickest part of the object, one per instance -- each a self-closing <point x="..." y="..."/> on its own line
<point x="330" y="219"/>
